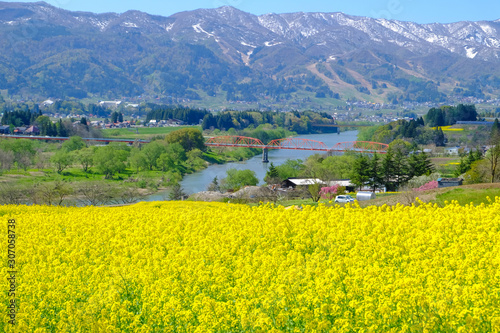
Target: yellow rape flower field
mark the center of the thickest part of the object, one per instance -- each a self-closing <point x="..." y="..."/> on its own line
<point x="449" y="128"/>
<point x="215" y="267"/>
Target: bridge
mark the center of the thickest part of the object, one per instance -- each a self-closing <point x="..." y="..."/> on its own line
<point x="295" y="144"/>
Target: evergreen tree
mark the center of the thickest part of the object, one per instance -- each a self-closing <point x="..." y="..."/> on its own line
<point x="375" y="173"/>
<point x="387" y="169"/>
<point x="114" y="117"/>
<point x="360" y="174"/>
<point x="272" y="175"/>
<point x="439" y="138"/>
<point x="401" y="170"/>
<point x="495" y="129"/>
<point x="214" y="185"/>
<point x="177" y="193"/>
<point x="60" y="129"/>
<point x="420" y="164"/>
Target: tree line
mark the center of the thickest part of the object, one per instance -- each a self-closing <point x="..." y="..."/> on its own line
<point x="299" y="122"/>
<point x="449" y="115"/>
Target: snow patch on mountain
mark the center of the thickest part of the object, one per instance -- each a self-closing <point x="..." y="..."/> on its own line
<point x="199" y="29"/>
<point x="272" y="43"/>
<point x="470" y="52"/>
<point x="246" y="44"/>
<point x="488" y="29"/>
<point x="130" y="25"/>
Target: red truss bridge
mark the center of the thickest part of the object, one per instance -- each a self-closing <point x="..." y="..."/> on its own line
<point x="296" y="144"/>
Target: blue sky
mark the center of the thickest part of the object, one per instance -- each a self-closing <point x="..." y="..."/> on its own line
<point x="423" y="11"/>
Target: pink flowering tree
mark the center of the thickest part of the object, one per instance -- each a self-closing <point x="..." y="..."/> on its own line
<point x="331" y="192"/>
<point x="429" y="186"/>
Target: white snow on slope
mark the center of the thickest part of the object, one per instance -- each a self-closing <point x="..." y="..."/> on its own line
<point x="470" y="52"/>
<point x="199" y="29"/>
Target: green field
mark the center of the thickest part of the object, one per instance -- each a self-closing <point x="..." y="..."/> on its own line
<point x="468" y="196"/>
<point x="141" y="132"/>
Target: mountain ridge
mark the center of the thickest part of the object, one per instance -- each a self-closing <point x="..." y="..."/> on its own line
<point x="226" y="51"/>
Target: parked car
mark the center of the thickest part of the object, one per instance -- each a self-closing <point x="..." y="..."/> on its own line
<point x="344" y="198"/>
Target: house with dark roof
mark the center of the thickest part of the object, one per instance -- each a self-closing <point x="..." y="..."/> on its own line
<point x="20" y="130"/>
<point x="4" y="129"/>
<point x="32" y="130"/>
<point x="449" y="182"/>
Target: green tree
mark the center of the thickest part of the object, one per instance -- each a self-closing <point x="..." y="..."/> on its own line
<point x="289" y="169"/>
<point x="315" y="191"/>
<point x="61" y="159"/>
<point x="177" y="192"/>
<point x="439" y="138"/>
<point x="110" y="160"/>
<point x="152" y="152"/>
<point x="375" y="173"/>
<point x="137" y="160"/>
<point x="188" y="138"/>
<point x="466" y="162"/>
<point x="495" y="130"/>
<point x="172" y="158"/>
<point x="420" y="164"/>
<point x="387" y="169"/>
<point x="400" y="169"/>
<point x="73" y="143"/>
<point x="235" y="179"/>
<point x="214" y="185"/>
<point x="61" y="130"/>
<point x="114" y="117"/>
<point x="85" y="157"/>
<point x="272" y="175"/>
<point x="360" y="174"/>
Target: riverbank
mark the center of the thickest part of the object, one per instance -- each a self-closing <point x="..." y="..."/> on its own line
<point x="199" y="181"/>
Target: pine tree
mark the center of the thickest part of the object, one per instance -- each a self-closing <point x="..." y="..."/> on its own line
<point x="401" y="170"/>
<point x="272" y="175"/>
<point x="495" y="130"/>
<point x="387" y="169"/>
<point x="360" y="174"/>
<point x="114" y="117"/>
<point x="375" y="173"/>
<point x="439" y="138"/>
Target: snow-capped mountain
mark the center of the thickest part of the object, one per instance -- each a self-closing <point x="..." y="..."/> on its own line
<point x="218" y="50"/>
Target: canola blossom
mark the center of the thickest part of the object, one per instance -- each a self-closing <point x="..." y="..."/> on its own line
<point x="215" y="267"/>
<point x="448" y="128"/>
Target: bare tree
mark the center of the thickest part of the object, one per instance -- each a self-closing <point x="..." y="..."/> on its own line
<point x="493" y="154"/>
<point x="493" y="157"/>
<point x="126" y="195"/>
<point x="95" y="194"/>
<point x="10" y="194"/>
<point x="24" y="160"/>
<point x="42" y="160"/>
<point x="6" y="159"/>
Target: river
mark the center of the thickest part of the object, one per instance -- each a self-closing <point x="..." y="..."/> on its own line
<point x="199" y="181"/>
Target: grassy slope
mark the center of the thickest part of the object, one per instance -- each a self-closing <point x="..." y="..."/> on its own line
<point x="140" y="132"/>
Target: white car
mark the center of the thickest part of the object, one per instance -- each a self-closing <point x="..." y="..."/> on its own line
<point x="344" y="198"/>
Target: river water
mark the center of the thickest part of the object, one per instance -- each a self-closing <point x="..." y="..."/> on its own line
<point x="199" y="181"/>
